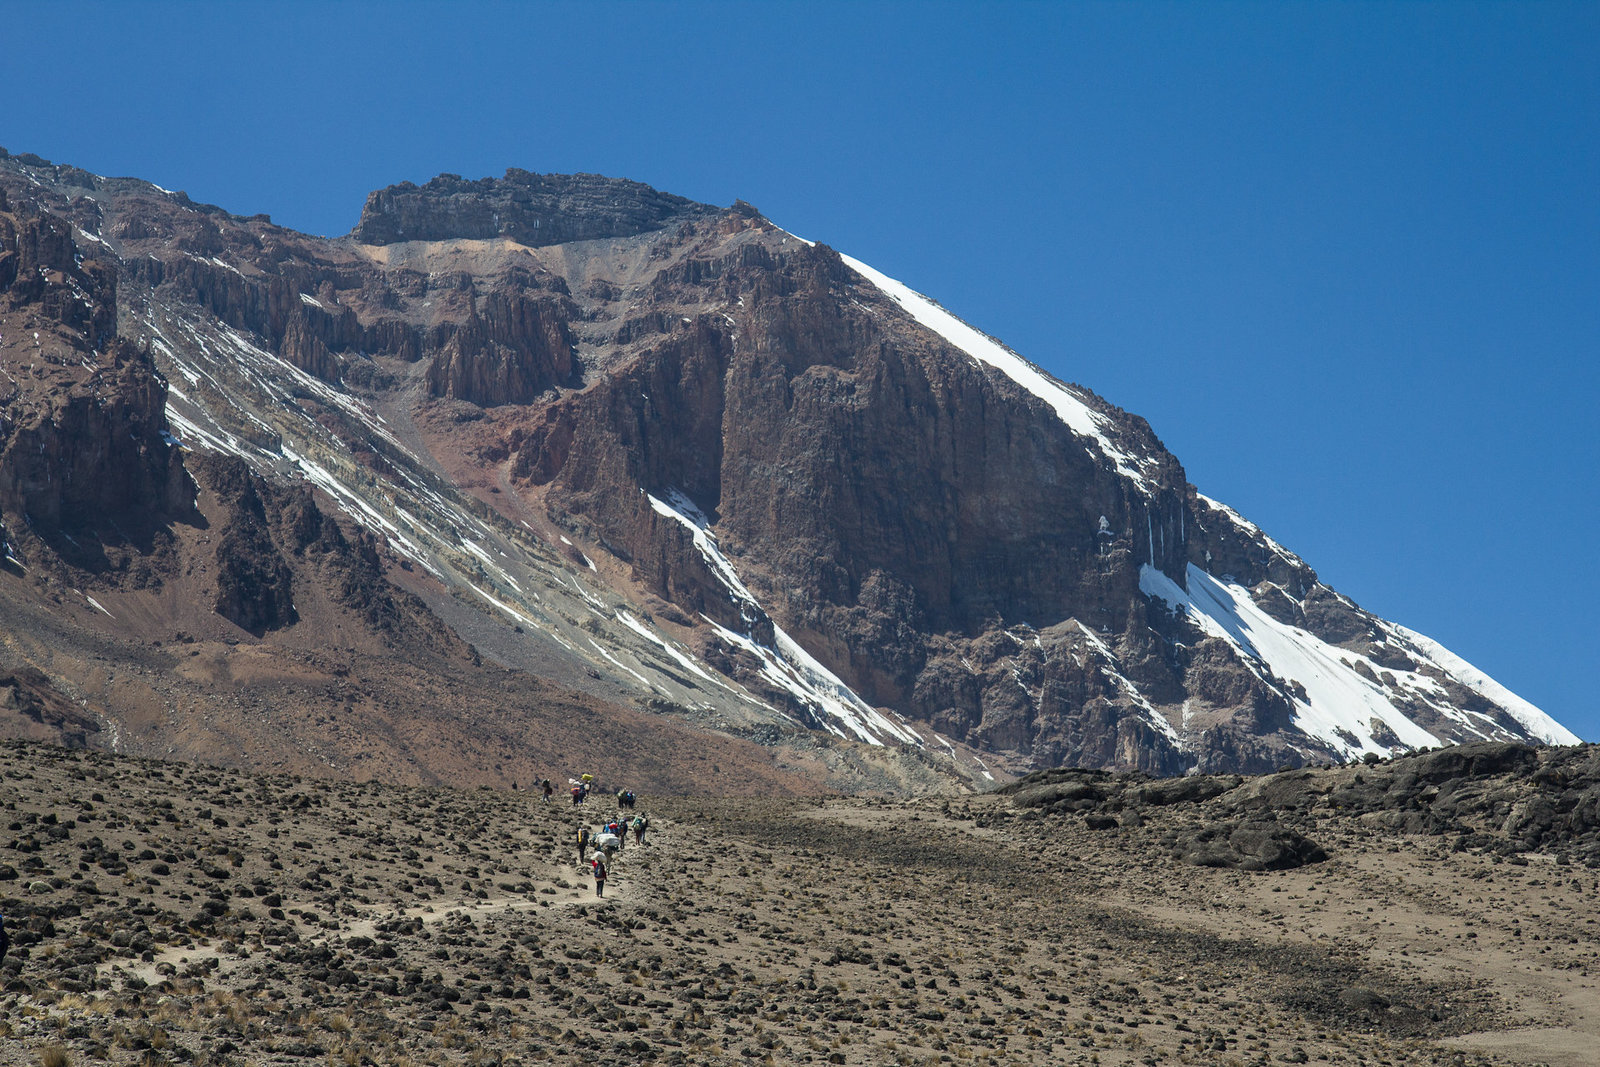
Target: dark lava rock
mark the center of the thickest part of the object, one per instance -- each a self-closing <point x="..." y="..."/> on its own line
<point x="254" y="582"/>
<point x="1244" y="845"/>
<point x="1360" y="998"/>
<point x="1332" y="617"/>
<point x="1507" y="797"/>
<point x="1186" y="790"/>
<point x="1474" y="761"/>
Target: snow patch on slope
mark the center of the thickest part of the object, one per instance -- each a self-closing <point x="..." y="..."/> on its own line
<point x="1079" y="417"/>
<point x="650" y="635"/>
<point x="1113" y="669"/>
<point x="680" y="508"/>
<point x="787" y="666"/>
<point x="1537" y="723"/>
<point x="229" y="393"/>
<point x="1334" y="703"/>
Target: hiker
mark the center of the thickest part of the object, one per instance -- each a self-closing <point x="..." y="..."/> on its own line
<point x="599" y="867"/>
<point x="577" y="795"/>
<point x="640" y="823"/>
<point x="549" y="790"/>
<point x="583" y="843"/>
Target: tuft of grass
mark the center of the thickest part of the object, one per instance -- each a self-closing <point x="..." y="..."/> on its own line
<point x="54" y="1056"/>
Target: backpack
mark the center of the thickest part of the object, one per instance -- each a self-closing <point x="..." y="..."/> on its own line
<point x="583" y="837"/>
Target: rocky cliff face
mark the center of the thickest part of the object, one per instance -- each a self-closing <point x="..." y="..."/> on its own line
<point x="748" y="480"/>
<point x="95" y="450"/>
<point x="880" y="489"/>
<point x="81" y="414"/>
<point x="510" y="350"/>
<point x="531" y="209"/>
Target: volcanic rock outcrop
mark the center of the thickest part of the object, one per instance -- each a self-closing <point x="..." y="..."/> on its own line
<point x="510" y="350"/>
<point x="1511" y="799"/>
<point x="531" y="209"/>
<point x="82" y="430"/>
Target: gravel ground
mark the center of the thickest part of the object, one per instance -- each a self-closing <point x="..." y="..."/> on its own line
<point x="168" y="913"/>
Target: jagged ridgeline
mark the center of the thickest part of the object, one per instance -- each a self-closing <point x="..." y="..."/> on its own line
<point x="665" y="459"/>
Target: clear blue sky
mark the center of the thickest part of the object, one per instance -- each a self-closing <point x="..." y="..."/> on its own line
<point x="1344" y="257"/>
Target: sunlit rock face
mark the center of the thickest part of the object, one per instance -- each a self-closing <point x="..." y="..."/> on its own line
<point x="732" y="476"/>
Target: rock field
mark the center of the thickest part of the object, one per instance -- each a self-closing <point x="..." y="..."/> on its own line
<point x="1434" y="910"/>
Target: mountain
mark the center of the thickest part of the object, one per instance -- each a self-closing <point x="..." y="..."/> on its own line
<point x="526" y="469"/>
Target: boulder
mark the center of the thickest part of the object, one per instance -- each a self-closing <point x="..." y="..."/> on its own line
<point x="1250" y="844"/>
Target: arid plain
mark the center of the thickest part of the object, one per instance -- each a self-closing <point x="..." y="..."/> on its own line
<point x="167" y="913"/>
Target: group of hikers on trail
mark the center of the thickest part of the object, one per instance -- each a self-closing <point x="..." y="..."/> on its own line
<point x="606" y="843"/>
<point x="580" y="789"/>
